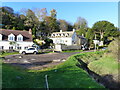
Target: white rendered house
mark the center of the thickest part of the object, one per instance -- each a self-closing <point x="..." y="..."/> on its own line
<point x="15" y="39"/>
<point x="67" y="38"/>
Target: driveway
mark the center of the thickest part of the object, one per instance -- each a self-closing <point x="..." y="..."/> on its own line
<point x="39" y="61"/>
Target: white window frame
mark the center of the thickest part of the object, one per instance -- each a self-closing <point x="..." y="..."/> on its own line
<point x="19" y="37"/>
<point x="11" y="37"/>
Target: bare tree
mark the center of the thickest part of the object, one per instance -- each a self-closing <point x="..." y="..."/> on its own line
<point x="81" y="23"/>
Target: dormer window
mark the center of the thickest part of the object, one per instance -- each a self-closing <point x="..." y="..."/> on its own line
<point x="66" y="34"/>
<point x="0" y="36"/>
<point x="19" y="37"/>
<point x="11" y="37"/>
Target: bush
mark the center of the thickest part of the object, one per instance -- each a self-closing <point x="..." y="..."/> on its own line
<point x="114" y="48"/>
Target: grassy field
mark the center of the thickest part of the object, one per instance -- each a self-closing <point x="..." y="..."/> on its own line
<point x="65" y="75"/>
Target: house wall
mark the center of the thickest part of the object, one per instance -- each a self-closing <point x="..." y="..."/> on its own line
<point x="66" y="41"/>
<point x="6" y="45"/>
<point x="74" y="39"/>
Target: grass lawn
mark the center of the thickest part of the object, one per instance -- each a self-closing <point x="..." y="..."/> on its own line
<point x="65" y="75"/>
<point x="6" y="54"/>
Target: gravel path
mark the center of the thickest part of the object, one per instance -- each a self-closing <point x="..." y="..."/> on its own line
<point x="39" y="61"/>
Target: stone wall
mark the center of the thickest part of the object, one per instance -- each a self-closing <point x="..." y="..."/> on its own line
<point x="60" y="47"/>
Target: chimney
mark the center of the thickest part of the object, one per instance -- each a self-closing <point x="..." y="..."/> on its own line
<point x="30" y="31"/>
<point x="73" y="30"/>
<point x="82" y="34"/>
<point x="60" y="30"/>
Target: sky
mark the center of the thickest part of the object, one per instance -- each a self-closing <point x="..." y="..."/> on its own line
<point x="70" y="11"/>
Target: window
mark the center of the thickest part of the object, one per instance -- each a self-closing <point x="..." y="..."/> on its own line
<point x="1" y="47"/>
<point x="11" y="37"/>
<point x="19" y="37"/>
<point x="31" y="49"/>
<point x="25" y="47"/>
<point x="18" y="47"/>
<point x="11" y="47"/>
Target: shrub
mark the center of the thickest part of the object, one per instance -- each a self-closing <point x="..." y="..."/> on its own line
<point x="114" y="48"/>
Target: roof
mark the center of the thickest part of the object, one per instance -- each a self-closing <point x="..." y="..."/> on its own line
<point x="26" y="35"/>
<point x="82" y="37"/>
<point x="62" y="34"/>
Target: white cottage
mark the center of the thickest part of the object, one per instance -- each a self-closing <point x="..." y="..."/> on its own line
<point x="15" y="39"/>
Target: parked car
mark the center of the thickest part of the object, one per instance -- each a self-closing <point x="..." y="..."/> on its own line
<point x="29" y="50"/>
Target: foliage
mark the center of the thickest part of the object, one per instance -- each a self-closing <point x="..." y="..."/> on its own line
<point x="105" y="29"/>
<point x="53" y="13"/>
<point x="81" y="23"/>
<point x="90" y="36"/>
<point x="63" y="25"/>
<point x="114" y="48"/>
<point x="48" y="42"/>
<point x="39" y="42"/>
<point x="51" y="24"/>
<point x="81" y="26"/>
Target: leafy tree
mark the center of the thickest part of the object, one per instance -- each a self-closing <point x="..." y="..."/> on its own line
<point x="90" y="36"/>
<point x="105" y="29"/>
<point x="63" y="25"/>
<point x="53" y="13"/>
<point x="7" y="16"/>
<point x="40" y="13"/>
<point x="51" y="24"/>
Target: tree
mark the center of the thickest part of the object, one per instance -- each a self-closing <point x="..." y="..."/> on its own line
<point x="81" y="26"/>
<point x="31" y="22"/>
<point x="53" y="13"/>
<point x="80" y="23"/>
<point x="90" y="36"/>
<point x="51" y="24"/>
<point x="63" y="25"/>
<point x="40" y="13"/>
<point x="7" y="16"/>
<point x="105" y="29"/>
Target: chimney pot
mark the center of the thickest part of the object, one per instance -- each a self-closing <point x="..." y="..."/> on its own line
<point x="30" y="31"/>
<point x="60" y="30"/>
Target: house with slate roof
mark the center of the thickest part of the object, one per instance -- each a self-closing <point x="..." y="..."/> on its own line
<point x="68" y="38"/>
<point x="15" y="39"/>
